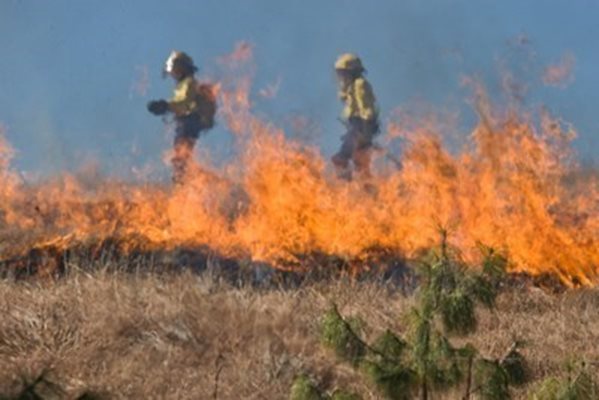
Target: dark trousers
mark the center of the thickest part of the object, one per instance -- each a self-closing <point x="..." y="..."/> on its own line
<point x="187" y="131"/>
<point x="356" y="147"/>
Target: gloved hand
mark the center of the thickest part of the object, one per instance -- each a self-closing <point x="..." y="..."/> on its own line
<point x="158" y="107"/>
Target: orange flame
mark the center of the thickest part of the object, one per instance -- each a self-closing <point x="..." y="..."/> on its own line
<point x="515" y="187"/>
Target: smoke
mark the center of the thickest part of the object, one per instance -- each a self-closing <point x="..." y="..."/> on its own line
<point x="6" y="151"/>
<point x="561" y="73"/>
<point x="141" y="82"/>
<point x="271" y="90"/>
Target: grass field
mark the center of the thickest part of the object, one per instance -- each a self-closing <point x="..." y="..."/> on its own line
<point x="186" y="336"/>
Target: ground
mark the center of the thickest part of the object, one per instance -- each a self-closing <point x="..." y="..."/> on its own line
<point x="186" y="336"/>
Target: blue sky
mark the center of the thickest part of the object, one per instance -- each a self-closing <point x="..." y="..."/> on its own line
<point x="68" y="67"/>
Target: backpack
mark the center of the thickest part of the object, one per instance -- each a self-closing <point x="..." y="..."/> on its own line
<point x="206" y="104"/>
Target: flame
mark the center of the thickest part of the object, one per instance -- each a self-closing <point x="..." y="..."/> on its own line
<point x="241" y="55"/>
<point x="516" y="187"/>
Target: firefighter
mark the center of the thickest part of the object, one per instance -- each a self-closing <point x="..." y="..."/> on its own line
<point x="360" y="116"/>
<point x="192" y="106"/>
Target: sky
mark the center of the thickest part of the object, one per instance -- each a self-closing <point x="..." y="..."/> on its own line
<point x="70" y="70"/>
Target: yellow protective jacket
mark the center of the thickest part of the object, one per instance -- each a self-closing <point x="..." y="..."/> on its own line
<point x="359" y="100"/>
<point x="185" y="98"/>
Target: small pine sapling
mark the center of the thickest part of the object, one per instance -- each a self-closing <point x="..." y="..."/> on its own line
<point x="427" y="362"/>
<point x="340" y="335"/>
<point x="304" y="389"/>
<point x="578" y="385"/>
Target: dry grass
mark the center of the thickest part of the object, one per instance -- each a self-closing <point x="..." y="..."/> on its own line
<point x="188" y="337"/>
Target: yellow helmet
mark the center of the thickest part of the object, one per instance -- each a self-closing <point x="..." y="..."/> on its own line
<point x="349" y="62"/>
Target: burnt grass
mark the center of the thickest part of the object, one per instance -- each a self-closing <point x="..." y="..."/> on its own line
<point x="94" y="322"/>
<point x="377" y="264"/>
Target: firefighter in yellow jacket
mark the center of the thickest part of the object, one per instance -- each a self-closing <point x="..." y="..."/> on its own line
<point x="193" y="106"/>
<point x="360" y="116"/>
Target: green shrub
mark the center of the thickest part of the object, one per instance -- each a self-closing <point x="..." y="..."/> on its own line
<point x="395" y="382"/>
<point x="491" y="380"/>
<point x="390" y="345"/>
<point x="304" y="389"/>
<point x="426" y="361"/>
<point x="343" y="395"/>
<point x="581" y="387"/>
<point x="515" y="367"/>
<point x="457" y="312"/>
<point x="339" y="335"/>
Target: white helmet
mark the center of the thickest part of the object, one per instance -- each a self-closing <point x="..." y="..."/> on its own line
<point x="178" y="58"/>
